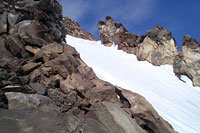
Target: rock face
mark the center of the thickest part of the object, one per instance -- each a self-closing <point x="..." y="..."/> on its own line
<point x="157" y="46"/>
<point x="46" y="87"/>
<point x="128" y="42"/>
<point x="74" y="29"/>
<point x="108" y="29"/>
<point x="187" y="62"/>
<point x="113" y="118"/>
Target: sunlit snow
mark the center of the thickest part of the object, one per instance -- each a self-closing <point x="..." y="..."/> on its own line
<point x="176" y="101"/>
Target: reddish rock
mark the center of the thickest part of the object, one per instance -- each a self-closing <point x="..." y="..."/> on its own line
<point x="144" y="113"/>
<point x="128" y="42"/>
<point x="74" y="29"/>
<point x="108" y="29"/>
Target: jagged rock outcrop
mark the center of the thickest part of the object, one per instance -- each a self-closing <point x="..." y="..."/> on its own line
<point x="43" y="80"/>
<point x="108" y="29"/>
<point x="114" y="32"/>
<point x="158" y="47"/>
<point x="74" y="29"/>
<point x="187" y="62"/>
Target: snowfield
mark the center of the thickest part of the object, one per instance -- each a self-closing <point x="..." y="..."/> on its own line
<point x="176" y="101"/>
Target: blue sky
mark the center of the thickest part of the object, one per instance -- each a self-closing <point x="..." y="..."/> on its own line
<point x="181" y="17"/>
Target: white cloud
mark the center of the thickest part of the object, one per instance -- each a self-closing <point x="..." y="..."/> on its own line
<point x="75" y="9"/>
<point x="132" y="10"/>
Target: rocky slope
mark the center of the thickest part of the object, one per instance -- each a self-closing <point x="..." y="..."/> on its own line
<point x="74" y="29"/>
<point x="46" y="87"/>
<point x="187" y="62"/>
<point x="157" y="47"/>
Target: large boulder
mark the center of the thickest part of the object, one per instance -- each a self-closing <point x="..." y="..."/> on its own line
<point x="18" y="100"/>
<point x="187" y="62"/>
<point x="158" y="47"/>
<point x="31" y="121"/>
<point x="74" y="29"/>
<point x="112" y="118"/>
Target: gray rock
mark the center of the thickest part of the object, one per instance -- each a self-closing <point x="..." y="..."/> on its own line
<point x="31" y="121"/>
<point x="92" y="126"/>
<point x="113" y="118"/>
<point x="17" y="100"/>
<point x="20" y="25"/>
<point x="39" y="88"/>
<point x="25" y="5"/>
<point x="3" y="23"/>
<point x="12" y="18"/>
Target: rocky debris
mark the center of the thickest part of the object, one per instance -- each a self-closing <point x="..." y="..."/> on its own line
<point x="187" y="62"/>
<point x="158" y="47"/>
<point x="35" y="60"/>
<point x="108" y="29"/>
<point x="144" y="114"/>
<point x="74" y="29"/>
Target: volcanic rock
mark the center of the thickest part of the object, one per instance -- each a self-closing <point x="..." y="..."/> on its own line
<point x="145" y="114"/>
<point x="113" y="118"/>
<point x="158" y="47"/>
<point x="187" y="62"/>
<point x="128" y="42"/>
<point x="74" y="29"/>
<point x="30" y="67"/>
<point x="39" y="88"/>
<point x="3" y="23"/>
<point x="108" y="29"/>
<point x="19" y="100"/>
<point x="31" y="120"/>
